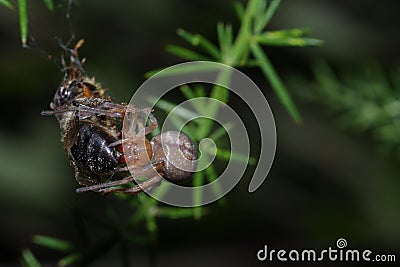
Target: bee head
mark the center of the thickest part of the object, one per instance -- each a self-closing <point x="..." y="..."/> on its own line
<point x="71" y="89"/>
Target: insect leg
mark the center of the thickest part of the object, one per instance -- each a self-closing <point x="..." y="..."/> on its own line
<point x="85" y="109"/>
<point x="132" y="190"/>
<point x="145" y="171"/>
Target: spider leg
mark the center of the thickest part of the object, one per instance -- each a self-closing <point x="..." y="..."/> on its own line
<point x="116" y="143"/>
<point x="146" y="185"/>
<point x="110" y="109"/>
<point x="122" y="108"/>
<point x="145" y="171"/>
<point x="88" y="110"/>
<point x="152" y="126"/>
<point x="123" y="169"/>
<point x="134" y="123"/>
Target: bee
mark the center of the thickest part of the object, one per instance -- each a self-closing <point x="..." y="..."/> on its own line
<point x="91" y="128"/>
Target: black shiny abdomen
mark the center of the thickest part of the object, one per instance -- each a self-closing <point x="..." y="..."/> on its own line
<point x="92" y="153"/>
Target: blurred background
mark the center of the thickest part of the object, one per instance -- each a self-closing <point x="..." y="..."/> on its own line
<point x="332" y="176"/>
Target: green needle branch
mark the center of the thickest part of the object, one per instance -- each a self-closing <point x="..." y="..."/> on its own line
<point x="246" y="49"/>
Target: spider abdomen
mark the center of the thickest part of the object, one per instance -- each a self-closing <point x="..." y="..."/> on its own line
<point x="179" y="154"/>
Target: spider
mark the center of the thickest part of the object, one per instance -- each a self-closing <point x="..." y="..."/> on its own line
<point x="91" y="129"/>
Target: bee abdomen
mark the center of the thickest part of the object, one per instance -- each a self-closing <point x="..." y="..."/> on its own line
<point x="92" y="152"/>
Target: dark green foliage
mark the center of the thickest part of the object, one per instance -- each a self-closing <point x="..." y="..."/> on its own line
<point x="245" y="49"/>
<point x="6" y="4"/>
<point x="23" y="15"/>
<point x="363" y="99"/>
<point x="242" y="50"/>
